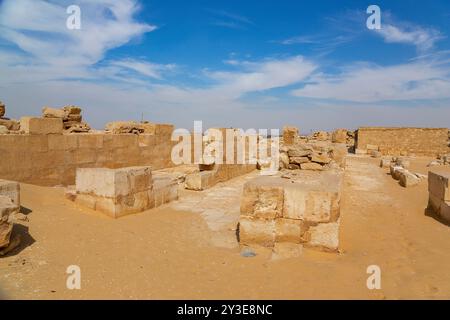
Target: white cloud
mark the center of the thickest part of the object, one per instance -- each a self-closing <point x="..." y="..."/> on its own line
<point x="260" y="76"/>
<point x="147" y="69"/>
<point x="369" y="83"/>
<point x="423" y="39"/>
<point x="38" y="30"/>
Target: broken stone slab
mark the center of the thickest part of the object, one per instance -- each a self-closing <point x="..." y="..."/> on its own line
<point x="7" y="211"/>
<point x="44" y="126"/>
<point x="3" y="130"/>
<point x="395" y="171"/>
<point x="11" y="125"/>
<point x="408" y="179"/>
<point x="10" y="189"/>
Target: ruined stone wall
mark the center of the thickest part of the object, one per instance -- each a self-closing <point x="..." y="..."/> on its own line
<point x="52" y="159"/>
<point x="405" y="141"/>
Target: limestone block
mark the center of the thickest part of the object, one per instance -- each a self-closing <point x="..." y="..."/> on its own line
<point x="396" y="171"/>
<point x="311" y="166"/>
<point x="31" y="125"/>
<point x="284" y="160"/>
<point x="165" y="190"/>
<point x="309" y="205"/>
<point x="199" y="180"/>
<point x="408" y="179"/>
<point x="324" y="236"/>
<point x="385" y="163"/>
<point x="299" y="151"/>
<point x="256" y="231"/>
<point x="289" y="135"/>
<point x="321" y="159"/>
<point x="105" y="182"/>
<point x="339" y="136"/>
<point x="10" y="189"/>
<point x="289" y="230"/>
<point x="48" y="112"/>
<point x="7" y="210"/>
<point x="338" y="153"/>
<point x="438" y="184"/>
<point x="262" y="201"/>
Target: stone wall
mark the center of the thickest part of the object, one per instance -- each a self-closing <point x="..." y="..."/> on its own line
<point x="404" y="141"/>
<point x="53" y="159"/>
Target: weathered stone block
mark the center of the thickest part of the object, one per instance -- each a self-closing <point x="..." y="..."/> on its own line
<point x="408" y="179"/>
<point x="31" y="125"/>
<point x="289" y="230"/>
<point x="324" y="236"/>
<point x="289" y="135"/>
<point x="256" y="231"/>
<point x="262" y="201"/>
<point x="10" y="189"/>
<point x="438" y="184"/>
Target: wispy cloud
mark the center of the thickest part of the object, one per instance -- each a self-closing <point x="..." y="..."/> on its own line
<point x="423" y="39"/>
<point x="231" y="20"/>
<point x="145" y="68"/>
<point x="37" y="31"/>
<point x="419" y="80"/>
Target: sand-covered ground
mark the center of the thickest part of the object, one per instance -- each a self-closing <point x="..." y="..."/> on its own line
<point x="187" y="249"/>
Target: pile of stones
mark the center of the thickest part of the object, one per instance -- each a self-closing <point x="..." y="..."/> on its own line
<point x="71" y="117"/>
<point x="7" y="125"/>
<point x="442" y="160"/>
<point x="399" y="170"/>
<point x="312" y="154"/>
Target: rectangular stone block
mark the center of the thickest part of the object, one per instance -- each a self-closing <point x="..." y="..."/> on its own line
<point x="256" y="231"/>
<point x="10" y="189"/>
<point x="289" y="230"/>
<point x="262" y="201"/>
<point x="105" y="182"/>
<point x="309" y="205"/>
<point x="31" y="125"/>
<point x="438" y="184"/>
<point x="324" y="236"/>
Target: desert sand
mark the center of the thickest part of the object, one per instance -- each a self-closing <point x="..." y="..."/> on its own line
<point x="187" y="249"/>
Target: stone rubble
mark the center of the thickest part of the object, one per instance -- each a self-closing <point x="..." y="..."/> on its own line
<point x="71" y="118"/>
<point x="7" y="125"/>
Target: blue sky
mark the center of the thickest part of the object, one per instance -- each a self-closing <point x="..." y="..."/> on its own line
<point x="260" y="64"/>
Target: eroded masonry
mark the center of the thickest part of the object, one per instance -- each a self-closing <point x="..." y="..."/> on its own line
<point x="128" y="168"/>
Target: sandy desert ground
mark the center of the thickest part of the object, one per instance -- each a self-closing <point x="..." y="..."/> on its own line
<point x="187" y="249"/>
